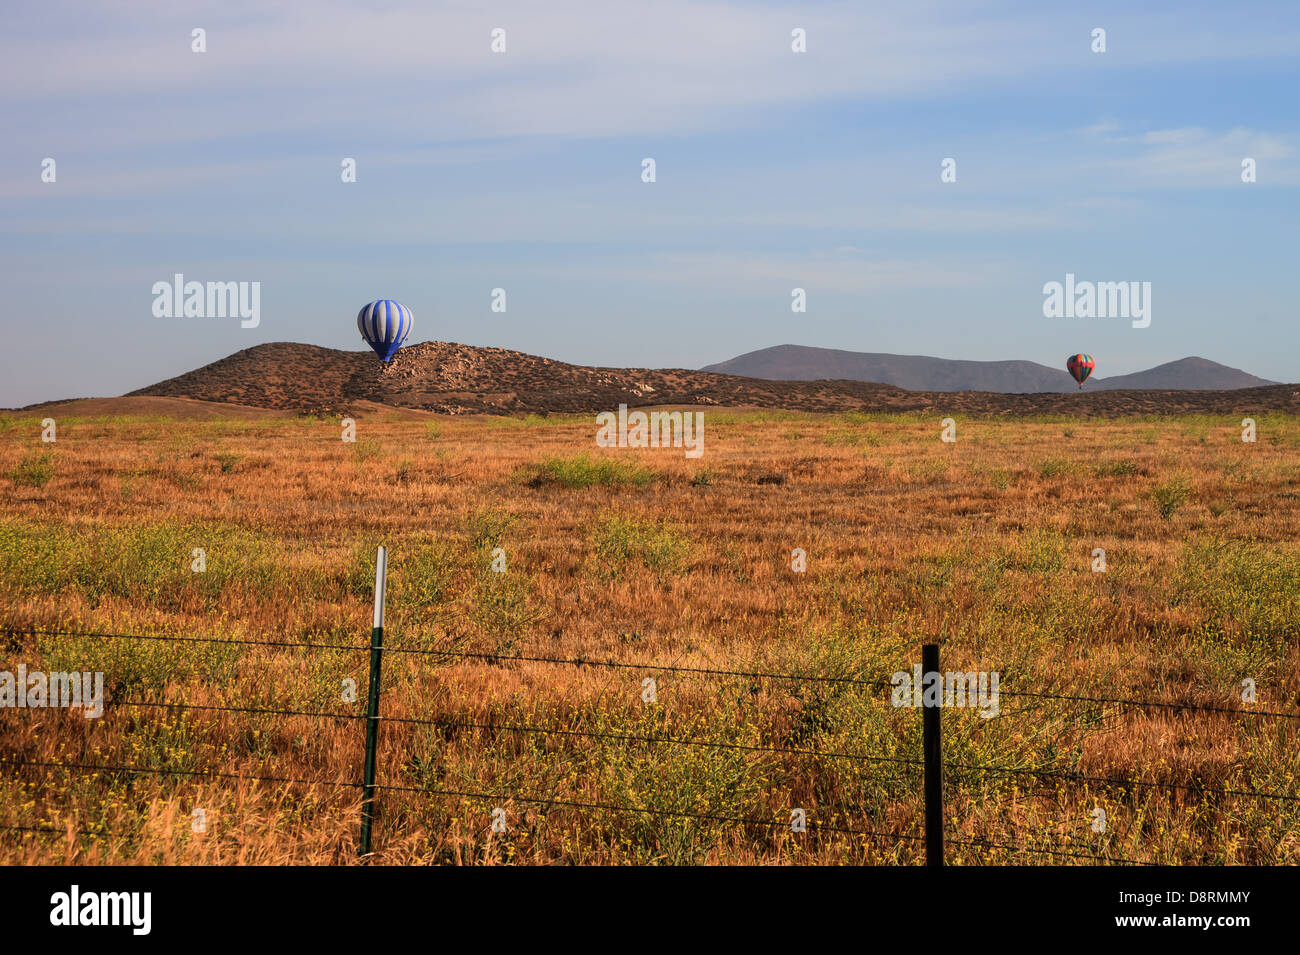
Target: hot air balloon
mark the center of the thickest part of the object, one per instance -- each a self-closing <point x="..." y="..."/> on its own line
<point x="1080" y="367"/>
<point x="384" y="325"/>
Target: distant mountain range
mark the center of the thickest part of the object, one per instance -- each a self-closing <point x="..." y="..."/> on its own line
<point x="920" y="373"/>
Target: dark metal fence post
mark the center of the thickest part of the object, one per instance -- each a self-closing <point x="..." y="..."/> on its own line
<point x="933" y="753"/>
<point x="372" y="705"/>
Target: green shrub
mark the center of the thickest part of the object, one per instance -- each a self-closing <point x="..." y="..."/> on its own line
<point x="620" y="540"/>
<point x="583" y="471"/>
<point x="420" y="578"/>
<point x="502" y="608"/>
<point x="1116" y="469"/>
<point x="1038" y="552"/>
<point x="487" y="526"/>
<point x="1245" y="586"/>
<point x="34" y="470"/>
<point x="148" y="563"/>
<point x="1054" y="467"/>
<point x="366" y="449"/>
<point x="1170" y="496"/>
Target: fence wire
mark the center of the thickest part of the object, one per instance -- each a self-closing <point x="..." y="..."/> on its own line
<point x="494" y="727"/>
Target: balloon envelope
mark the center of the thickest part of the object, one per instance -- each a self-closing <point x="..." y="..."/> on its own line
<point x="1080" y="367"/>
<point x="384" y="325"/>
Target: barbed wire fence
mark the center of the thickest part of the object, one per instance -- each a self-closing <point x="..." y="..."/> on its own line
<point x="934" y="840"/>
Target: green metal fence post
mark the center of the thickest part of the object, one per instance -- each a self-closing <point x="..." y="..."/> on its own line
<point x="372" y="705"/>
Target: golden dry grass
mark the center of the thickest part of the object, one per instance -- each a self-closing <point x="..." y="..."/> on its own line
<point x="983" y="546"/>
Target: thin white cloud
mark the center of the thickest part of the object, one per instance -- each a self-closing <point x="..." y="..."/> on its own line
<point x="572" y="67"/>
<point x="848" y="272"/>
<point x="1195" y="157"/>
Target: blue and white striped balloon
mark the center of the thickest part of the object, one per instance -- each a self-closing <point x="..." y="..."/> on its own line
<point x="384" y="325"/>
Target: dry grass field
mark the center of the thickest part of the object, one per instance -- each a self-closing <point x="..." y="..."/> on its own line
<point x="645" y="557"/>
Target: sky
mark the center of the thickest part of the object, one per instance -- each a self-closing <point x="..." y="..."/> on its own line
<point x="522" y="170"/>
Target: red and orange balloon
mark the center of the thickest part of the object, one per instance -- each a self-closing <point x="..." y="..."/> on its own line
<point x="1080" y="367"/>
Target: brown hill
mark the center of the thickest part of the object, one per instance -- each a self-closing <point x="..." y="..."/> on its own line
<point x="459" y="379"/>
